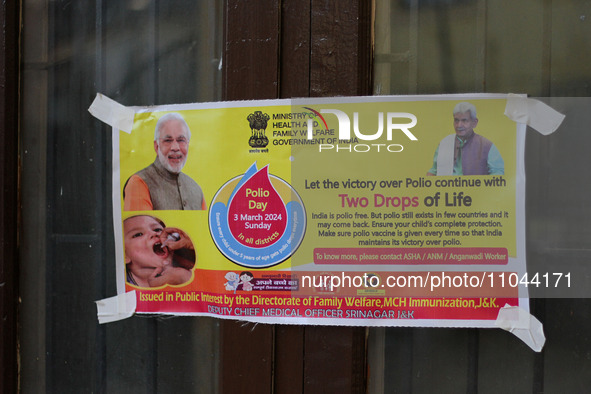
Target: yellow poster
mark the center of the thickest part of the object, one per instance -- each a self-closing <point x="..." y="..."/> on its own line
<point x="389" y="211"/>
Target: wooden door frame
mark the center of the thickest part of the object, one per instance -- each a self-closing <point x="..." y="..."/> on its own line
<point x="294" y="48"/>
<point x="9" y="87"/>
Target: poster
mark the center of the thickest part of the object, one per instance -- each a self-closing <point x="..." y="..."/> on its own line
<point x="371" y="211"/>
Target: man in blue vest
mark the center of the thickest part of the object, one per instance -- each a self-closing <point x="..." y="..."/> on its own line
<point x="465" y="152"/>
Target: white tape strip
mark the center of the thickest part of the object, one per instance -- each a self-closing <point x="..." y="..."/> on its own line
<point x="116" y="308"/>
<point x="524" y="326"/>
<point x="112" y="113"/>
<point x="533" y="113"/>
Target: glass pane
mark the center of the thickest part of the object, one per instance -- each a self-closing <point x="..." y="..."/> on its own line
<point x="534" y="47"/>
<point x="138" y="52"/>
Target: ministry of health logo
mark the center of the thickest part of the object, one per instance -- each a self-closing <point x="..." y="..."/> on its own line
<point x="258" y="125"/>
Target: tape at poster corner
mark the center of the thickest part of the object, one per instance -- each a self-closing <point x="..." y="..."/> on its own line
<point x="116" y="308"/>
<point x="524" y="326"/>
<point x="112" y="113"/>
<point x="533" y="113"/>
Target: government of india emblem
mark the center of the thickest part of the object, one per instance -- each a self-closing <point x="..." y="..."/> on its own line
<point x="258" y="125"/>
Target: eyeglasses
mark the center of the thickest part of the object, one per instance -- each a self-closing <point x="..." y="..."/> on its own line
<point x="182" y="141"/>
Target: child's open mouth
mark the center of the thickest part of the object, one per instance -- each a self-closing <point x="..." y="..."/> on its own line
<point x="158" y="249"/>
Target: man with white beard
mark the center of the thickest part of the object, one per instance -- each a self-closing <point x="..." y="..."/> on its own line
<point x="162" y="185"/>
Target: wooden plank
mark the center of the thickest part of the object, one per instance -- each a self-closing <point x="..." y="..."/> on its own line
<point x="246" y="357"/>
<point x="294" y="81"/>
<point x="295" y="49"/>
<point x="250" y="71"/>
<point x="288" y="372"/>
<point x="440" y="360"/>
<point x="502" y="354"/>
<point x="398" y="355"/>
<point x="251" y="52"/>
<point x="9" y="67"/>
<point x="325" y="50"/>
<point x="335" y="360"/>
<point x="566" y="363"/>
<point x="340" y="64"/>
<point x="341" y="49"/>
